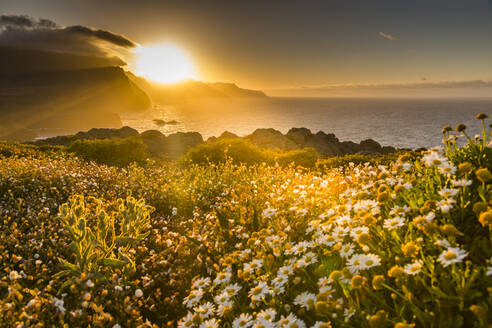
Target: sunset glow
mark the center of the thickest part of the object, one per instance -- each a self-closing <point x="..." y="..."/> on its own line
<point x="164" y="63"/>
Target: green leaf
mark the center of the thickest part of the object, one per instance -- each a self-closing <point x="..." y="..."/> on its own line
<point x="68" y="265"/>
<point x="115" y="263"/>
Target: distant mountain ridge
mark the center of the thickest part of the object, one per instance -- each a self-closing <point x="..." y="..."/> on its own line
<point x="192" y="90"/>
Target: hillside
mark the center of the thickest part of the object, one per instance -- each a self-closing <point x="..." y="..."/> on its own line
<point x="402" y="244"/>
<point x="69" y="99"/>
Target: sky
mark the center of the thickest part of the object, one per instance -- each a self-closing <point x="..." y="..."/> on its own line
<point x="292" y="45"/>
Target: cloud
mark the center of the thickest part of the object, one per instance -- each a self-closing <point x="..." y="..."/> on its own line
<point x="24" y="21"/>
<point x="116" y="39"/>
<point x="480" y="88"/>
<point x="417" y="85"/>
<point x="388" y="36"/>
<point x="22" y="31"/>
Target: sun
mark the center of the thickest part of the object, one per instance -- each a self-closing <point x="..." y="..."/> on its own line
<point x="164" y="63"/>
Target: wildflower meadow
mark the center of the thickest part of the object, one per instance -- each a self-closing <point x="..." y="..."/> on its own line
<point x="163" y="244"/>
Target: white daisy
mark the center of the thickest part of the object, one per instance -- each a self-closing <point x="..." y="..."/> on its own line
<point x="212" y="323"/>
<point x="291" y="321"/>
<point x="448" y="192"/>
<point x="305" y="300"/>
<point x="259" y="292"/>
<point x="243" y="321"/>
<point x="413" y="268"/>
<point x="347" y="250"/>
<point x="267" y="315"/>
<point x="452" y="255"/>
<point x="394" y="222"/>
<point x="201" y="283"/>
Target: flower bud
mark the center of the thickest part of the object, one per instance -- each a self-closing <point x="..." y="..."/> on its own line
<point x="357" y="281"/>
<point x="479" y="207"/>
<point x="464" y="167"/>
<point x="460" y="127"/>
<point x="377" y="282"/>
<point x="483" y="175"/>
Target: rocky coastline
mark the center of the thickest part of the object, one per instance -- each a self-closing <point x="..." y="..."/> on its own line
<point x="176" y="144"/>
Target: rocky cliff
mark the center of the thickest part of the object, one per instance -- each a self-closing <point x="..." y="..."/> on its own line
<point x="71" y="99"/>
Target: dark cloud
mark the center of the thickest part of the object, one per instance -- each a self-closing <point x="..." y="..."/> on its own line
<point x="23" y="31"/>
<point x="104" y="35"/>
<point x="24" y="21"/>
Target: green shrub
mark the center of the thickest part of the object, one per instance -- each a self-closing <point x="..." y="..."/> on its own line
<point x="113" y="152"/>
<point x="240" y="151"/>
<point x="237" y="150"/>
<point x="306" y="157"/>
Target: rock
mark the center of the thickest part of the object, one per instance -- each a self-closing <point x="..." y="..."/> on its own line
<point x="299" y="135"/>
<point x="325" y="144"/>
<point x="228" y="135"/>
<point x="370" y="145"/>
<point x="223" y="136"/>
<point x="152" y="134"/>
<point x="388" y="149"/>
<point x="127" y="131"/>
<point x="106" y="133"/>
<point x="177" y="144"/>
<point x="271" y="138"/>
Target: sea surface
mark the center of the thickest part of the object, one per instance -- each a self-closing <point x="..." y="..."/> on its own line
<point x="403" y="123"/>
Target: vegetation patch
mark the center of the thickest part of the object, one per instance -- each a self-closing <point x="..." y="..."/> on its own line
<point x="404" y="243"/>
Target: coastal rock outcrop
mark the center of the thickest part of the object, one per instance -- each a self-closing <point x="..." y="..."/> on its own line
<point x="326" y="145"/>
<point x="173" y="146"/>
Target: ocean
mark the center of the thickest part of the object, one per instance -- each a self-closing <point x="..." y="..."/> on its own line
<point x="403" y="123"/>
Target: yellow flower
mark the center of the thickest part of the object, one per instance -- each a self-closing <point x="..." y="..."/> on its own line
<point x="335" y="275"/>
<point x="464" y="167"/>
<point x="377" y="320"/>
<point x="485" y="218"/>
<point x="357" y="281"/>
<point x="483" y="175"/>
<point x="410" y="249"/>
<point x="395" y="272"/>
<point x="377" y="282"/>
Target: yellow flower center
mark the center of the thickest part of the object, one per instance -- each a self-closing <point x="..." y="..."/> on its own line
<point x="450" y="256"/>
<point x="256" y="290"/>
